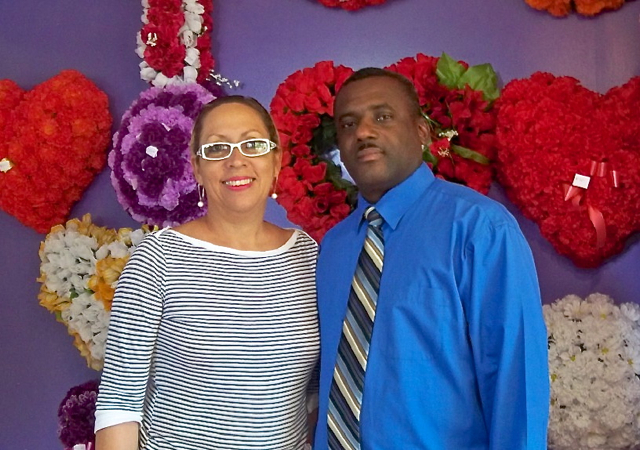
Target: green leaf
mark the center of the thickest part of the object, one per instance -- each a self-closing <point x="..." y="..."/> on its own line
<point x="467" y="153"/>
<point x="449" y="71"/>
<point x="324" y="136"/>
<point x="429" y="157"/>
<point x="432" y="123"/>
<point x="482" y="78"/>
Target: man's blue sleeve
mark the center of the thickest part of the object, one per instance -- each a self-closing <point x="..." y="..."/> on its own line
<point x="508" y="336"/>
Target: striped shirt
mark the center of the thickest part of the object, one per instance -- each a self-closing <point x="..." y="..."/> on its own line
<point x="211" y="347"/>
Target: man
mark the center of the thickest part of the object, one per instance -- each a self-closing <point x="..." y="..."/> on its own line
<point x="457" y="356"/>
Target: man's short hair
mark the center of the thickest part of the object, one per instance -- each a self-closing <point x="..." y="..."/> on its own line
<point x="406" y="85"/>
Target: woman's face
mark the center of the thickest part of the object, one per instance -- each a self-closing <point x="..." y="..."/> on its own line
<point x="239" y="183"/>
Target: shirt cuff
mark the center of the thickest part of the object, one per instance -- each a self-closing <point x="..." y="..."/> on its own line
<point x="110" y="418"/>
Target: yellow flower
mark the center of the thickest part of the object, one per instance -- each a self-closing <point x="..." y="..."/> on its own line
<point x="103" y="235"/>
<point x="51" y="301"/>
<point x="108" y="271"/>
<point x="85" y="351"/>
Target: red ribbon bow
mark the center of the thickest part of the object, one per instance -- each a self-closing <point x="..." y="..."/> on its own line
<point x="576" y="191"/>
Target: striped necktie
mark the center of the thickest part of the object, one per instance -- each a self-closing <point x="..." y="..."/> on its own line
<point x="345" y="398"/>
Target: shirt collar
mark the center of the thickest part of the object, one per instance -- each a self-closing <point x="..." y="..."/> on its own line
<point x="396" y="201"/>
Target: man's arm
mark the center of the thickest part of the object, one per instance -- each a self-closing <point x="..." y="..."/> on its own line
<point x="508" y="336"/>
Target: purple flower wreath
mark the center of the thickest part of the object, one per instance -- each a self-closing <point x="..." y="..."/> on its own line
<point x="76" y="415"/>
<point x="150" y="160"/>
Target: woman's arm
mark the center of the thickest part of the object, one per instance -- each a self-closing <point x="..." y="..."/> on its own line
<point x="135" y="317"/>
<point x="123" y="436"/>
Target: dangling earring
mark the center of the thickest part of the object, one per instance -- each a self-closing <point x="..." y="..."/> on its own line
<point x="201" y="196"/>
<point x="273" y="188"/>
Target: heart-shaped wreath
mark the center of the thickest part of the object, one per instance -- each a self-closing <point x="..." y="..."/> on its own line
<point x="561" y="8"/>
<point x="80" y="267"/>
<point x="351" y="5"/>
<point x="53" y="141"/>
<point x="456" y="99"/>
<point x="569" y="158"/>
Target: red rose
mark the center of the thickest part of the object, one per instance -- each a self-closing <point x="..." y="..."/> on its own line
<point x="314" y="174"/>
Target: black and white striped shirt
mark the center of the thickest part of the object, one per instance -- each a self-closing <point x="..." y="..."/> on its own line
<point x="211" y="347"/>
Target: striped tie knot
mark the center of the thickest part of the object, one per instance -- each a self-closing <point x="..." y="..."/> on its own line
<point x="373" y="217"/>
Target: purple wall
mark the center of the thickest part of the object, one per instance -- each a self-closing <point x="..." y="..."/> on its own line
<point x="260" y="43"/>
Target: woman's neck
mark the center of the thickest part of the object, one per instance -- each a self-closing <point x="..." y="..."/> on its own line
<point x="245" y="234"/>
<point x="248" y="232"/>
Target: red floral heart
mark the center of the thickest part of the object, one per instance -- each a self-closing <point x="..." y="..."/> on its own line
<point x="310" y="185"/>
<point x="53" y="141"/>
<point x="569" y="158"/>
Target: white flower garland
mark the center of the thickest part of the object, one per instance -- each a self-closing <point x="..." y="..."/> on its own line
<point x="594" y="364"/>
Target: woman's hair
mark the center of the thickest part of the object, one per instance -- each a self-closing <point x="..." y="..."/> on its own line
<point x="248" y="101"/>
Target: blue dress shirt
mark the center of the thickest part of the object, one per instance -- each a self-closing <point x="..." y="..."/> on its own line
<point x="458" y="356"/>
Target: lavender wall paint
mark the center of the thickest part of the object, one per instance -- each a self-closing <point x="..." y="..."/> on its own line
<point x="260" y="43"/>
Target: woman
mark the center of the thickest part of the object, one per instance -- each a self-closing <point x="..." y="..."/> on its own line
<point x="213" y="336"/>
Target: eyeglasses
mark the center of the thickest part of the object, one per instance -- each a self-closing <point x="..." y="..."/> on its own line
<point x="217" y="151"/>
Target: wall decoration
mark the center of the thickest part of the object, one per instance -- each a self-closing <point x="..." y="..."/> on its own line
<point x="311" y="188"/>
<point x="151" y="159"/>
<point x="456" y="99"/>
<point x="175" y="41"/>
<point x="76" y="416"/>
<point x="351" y="5"/>
<point x="594" y="365"/>
<point x="569" y="158"/>
<point x="561" y="8"/>
<point x="53" y="141"/>
<point x="80" y="266"/>
<point x="458" y="102"/>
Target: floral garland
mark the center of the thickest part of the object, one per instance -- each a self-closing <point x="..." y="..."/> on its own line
<point x="76" y="416"/>
<point x="175" y="41"/>
<point x="456" y="99"/>
<point x="351" y="5"/>
<point x="561" y="8"/>
<point x="53" y="141"/>
<point x="79" y="271"/>
<point x="151" y="159"/>
<point x="594" y="364"/>
<point x="310" y="187"/>
<point x="458" y="102"/>
<point x="569" y="159"/>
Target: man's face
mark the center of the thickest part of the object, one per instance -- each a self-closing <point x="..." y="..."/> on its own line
<point x="379" y="135"/>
